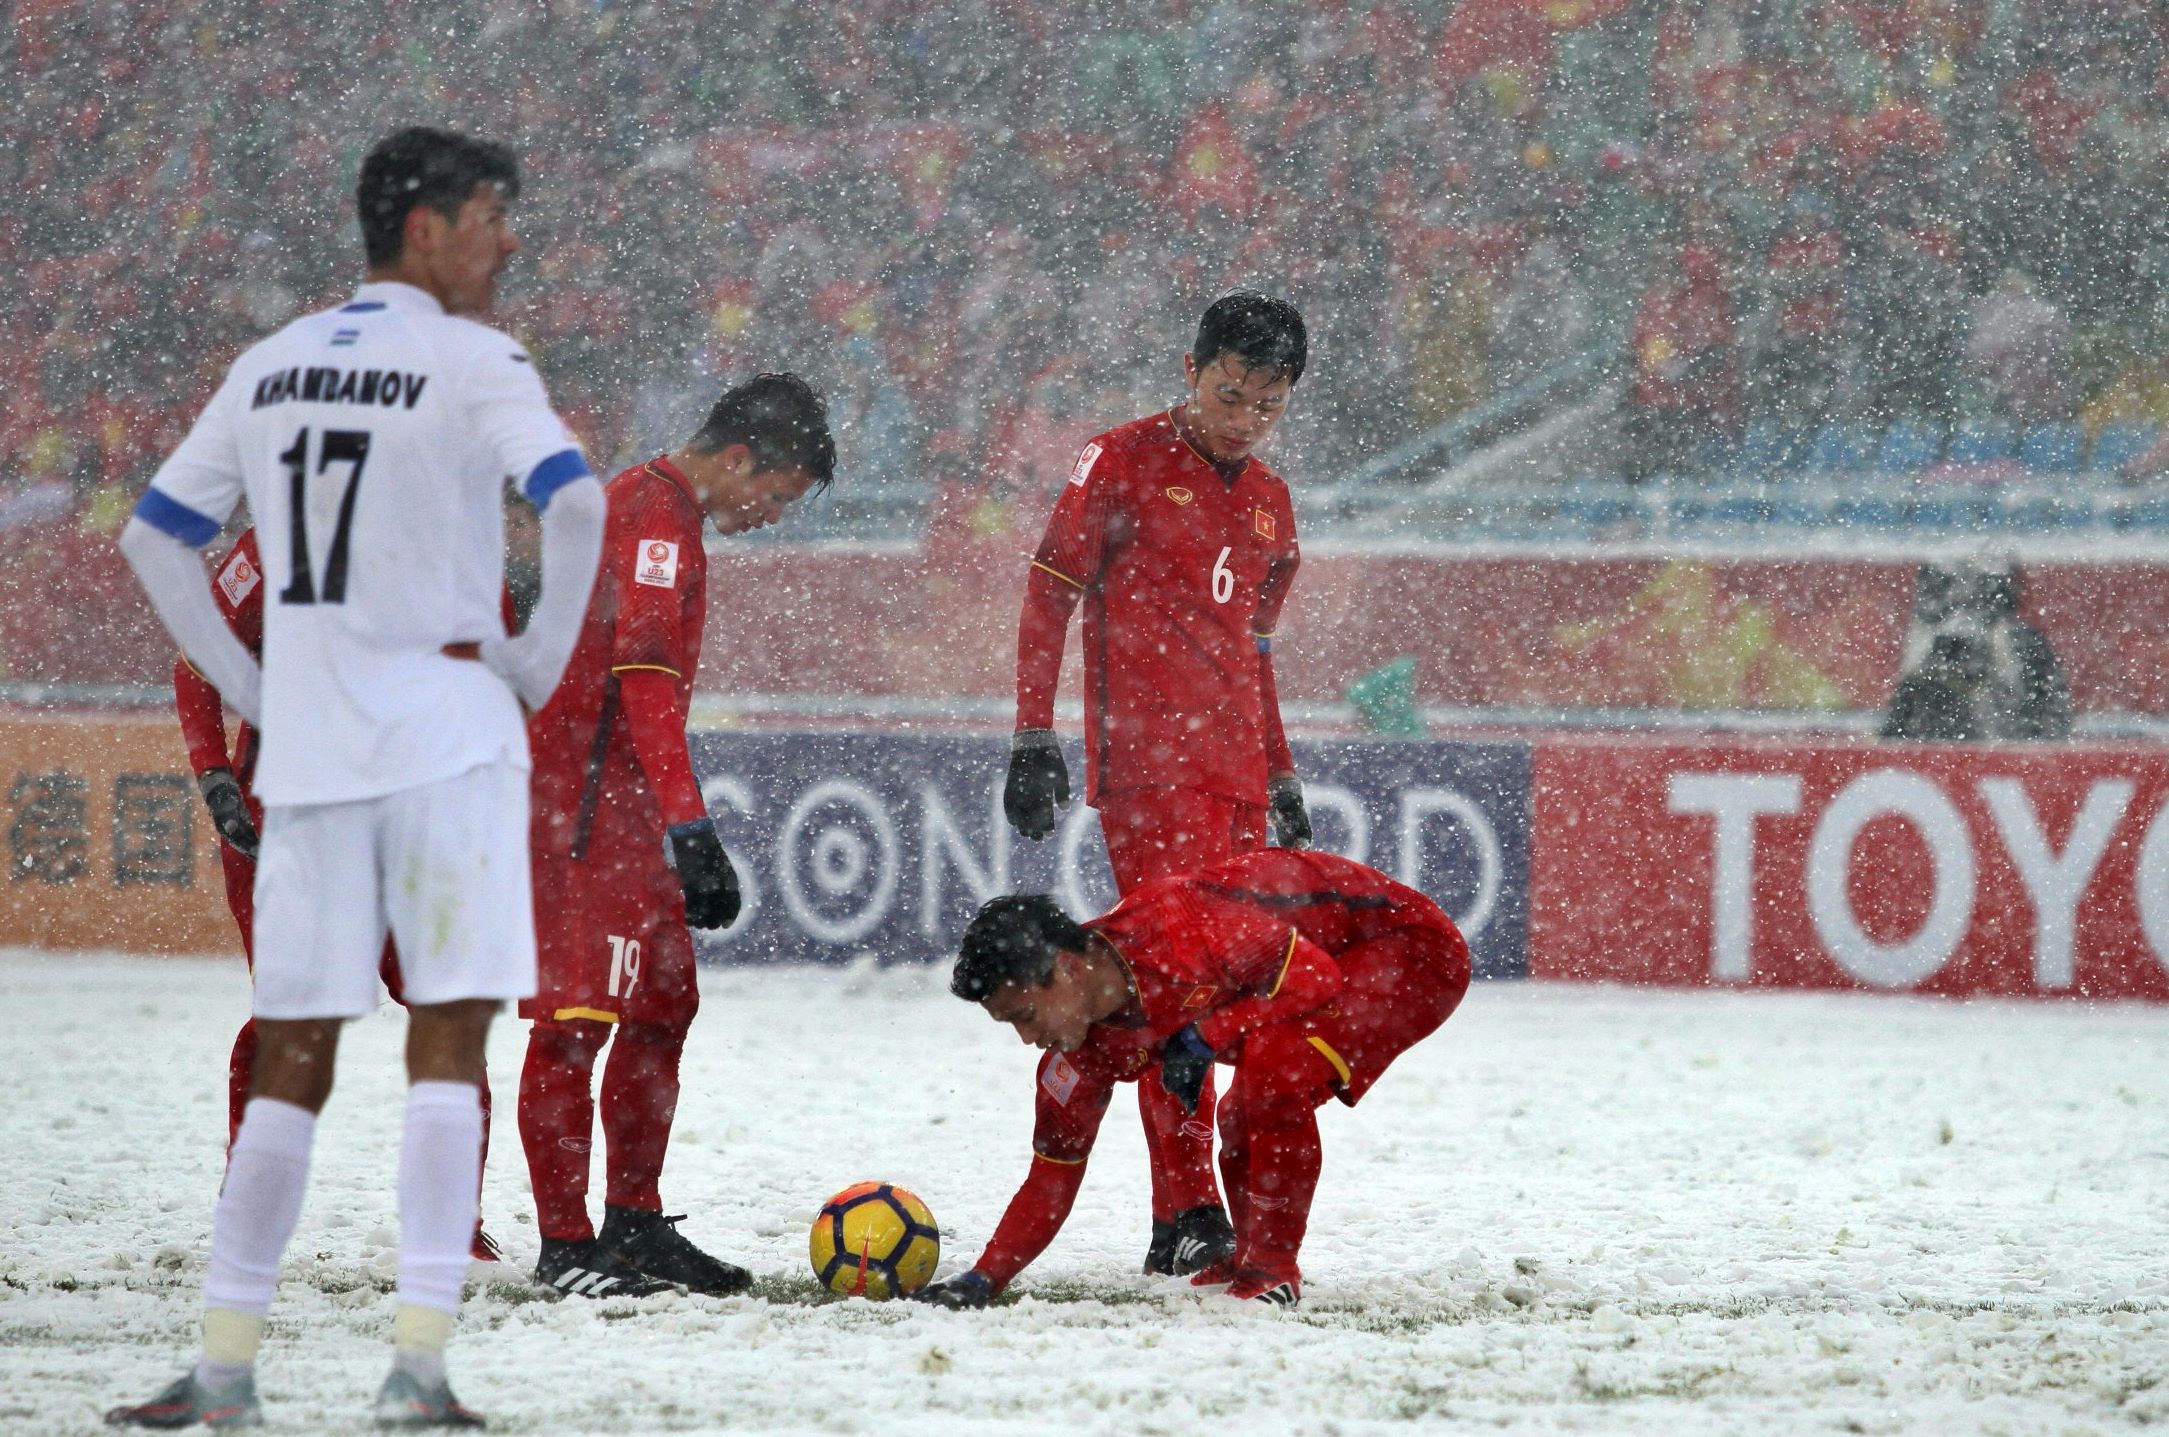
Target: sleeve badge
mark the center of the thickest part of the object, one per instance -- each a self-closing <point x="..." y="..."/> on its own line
<point x="1085" y="461"/>
<point x="238" y="578"/>
<point x="657" y="564"/>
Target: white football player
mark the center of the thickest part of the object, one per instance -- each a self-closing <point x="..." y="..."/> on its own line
<point x="372" y="443"/>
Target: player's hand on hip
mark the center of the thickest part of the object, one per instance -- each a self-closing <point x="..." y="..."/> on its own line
<point x="705" y="873"/>
<point x="1284" y="803"/>
<point x="1184" y="1062"/>
<point x="968" y="1290"/>
<point x="229" y="810"/>
<point x="1038" y="782"/>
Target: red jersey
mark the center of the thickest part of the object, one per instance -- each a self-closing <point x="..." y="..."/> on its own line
<point x="238" y="586"/>
<point x="1243" y="942"/>
<point x="1251" y="940"/>
<point x="649" y="606"/>
<point x="1182" y="572"/>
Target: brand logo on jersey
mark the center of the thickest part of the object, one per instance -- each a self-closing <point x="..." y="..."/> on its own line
<point x="1201" y="995"/>
<point x="1262" y="522"/>
<point x="238" y="578"/>
<point x="1180" y="495"/>
<point x="344" y="338"/>
<point x="658" y="563"/>
<point x="1085" y="461"/>
<point x="1059" y="1078"/>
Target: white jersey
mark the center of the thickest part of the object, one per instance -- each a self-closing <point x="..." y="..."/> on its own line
<point x="373" y="442"/>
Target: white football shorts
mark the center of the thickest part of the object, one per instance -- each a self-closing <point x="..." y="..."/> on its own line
<point x="443" y="865"/>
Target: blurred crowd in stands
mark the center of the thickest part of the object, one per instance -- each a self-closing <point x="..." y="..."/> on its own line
<point x="986" y="226"/>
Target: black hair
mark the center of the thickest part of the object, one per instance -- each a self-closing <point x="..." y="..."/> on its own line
<point x="781" y="420"/>
<point x="418" y="166"/>
<point x="1013" y="939"/>
<point x="1262" y="332"/>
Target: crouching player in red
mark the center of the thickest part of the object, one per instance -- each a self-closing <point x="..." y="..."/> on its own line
<point x="616" y="809"/>
<point x="1308" y="972"/>
<point x="226" y="781"/>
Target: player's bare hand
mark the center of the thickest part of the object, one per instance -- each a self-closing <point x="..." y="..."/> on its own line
<point x="1038" y="783"/>
<point x="229" y="810"/>
<point x="966" y="1291"/>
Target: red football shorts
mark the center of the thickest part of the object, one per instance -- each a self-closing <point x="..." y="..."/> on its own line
<point x="611" y="942"/>
<point x="1152" y="832"/>
<point x="1395" y="992"/>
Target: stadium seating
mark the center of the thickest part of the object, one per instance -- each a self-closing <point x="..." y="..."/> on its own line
<point x="1841" y="449"/>
<point x="1909" y="446"/>
<point x="1980" y="441"/>
<point x="2119" y="444"/>
<point x="2052" y="448"/>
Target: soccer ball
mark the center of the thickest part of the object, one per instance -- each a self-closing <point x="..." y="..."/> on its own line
<point x="874" y="1240"/>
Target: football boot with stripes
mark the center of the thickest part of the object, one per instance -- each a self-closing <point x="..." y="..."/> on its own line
<point x="585" y="1268"/>
<point x="1254" y="1285"/>
<point x="1198" y="1238"/>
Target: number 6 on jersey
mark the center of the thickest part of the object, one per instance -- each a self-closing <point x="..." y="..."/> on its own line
<point x="350" y="446"/>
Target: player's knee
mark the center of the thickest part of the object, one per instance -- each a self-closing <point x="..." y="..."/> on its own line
<point x="573" y="1041"/>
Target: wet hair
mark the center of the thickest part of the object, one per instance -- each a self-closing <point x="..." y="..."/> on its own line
<point x="1262" y="332"/>
<point x="1013" y="939"/>
<point x="418" y="166"/>
<point x="781" y="420"/>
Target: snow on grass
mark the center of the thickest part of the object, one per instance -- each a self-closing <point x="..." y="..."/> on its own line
<point x="1574" y="1210"/>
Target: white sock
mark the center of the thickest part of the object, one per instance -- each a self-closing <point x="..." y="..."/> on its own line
<point x="266" y="1175"/>
<point x="440" y="1176"/>
<point x="419" y="1335"/>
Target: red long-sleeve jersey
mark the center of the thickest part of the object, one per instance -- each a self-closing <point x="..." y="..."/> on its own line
<point x="609" y="748"/>
<point x="1182" y="572"/>
<point x="1242" y="943"/>
<point x="238" y="585"/>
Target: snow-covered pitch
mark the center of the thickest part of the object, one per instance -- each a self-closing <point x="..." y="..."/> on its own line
<point x="1572" y="1210"/>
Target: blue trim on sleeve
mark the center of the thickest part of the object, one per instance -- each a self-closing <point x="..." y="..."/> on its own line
<point x="169" y="515"/>
<point x="553" y="474"/>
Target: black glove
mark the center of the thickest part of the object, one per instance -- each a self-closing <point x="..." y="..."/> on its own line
<point x="1184" y="1062"/>
<point x="1038" y="783"/>
<point x="967" y="1290"/>
<point x="229" y="810"/>
<point x="1291" y="821"/>
<point x="705" y="873"/>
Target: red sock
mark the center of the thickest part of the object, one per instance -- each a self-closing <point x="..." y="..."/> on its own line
<point x="1235" y="1162"/>
<point x="557" y="1123"/>
<point x="1274" y="1100"/>
<point x="240" y="1077"/>
<point x="639" y="1100"/>
<point x="1180" y="1148"/>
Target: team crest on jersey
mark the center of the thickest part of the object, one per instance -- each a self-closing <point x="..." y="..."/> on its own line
<point x="1180" y="495"/>
<point x="658" y="564"/>
<point x="1059" y="1078"/>
<point x="1262" y="522"/>
<point x="237" y="579"/>
<point x="1202" y="994"/>
<point x="1085" y="461"/>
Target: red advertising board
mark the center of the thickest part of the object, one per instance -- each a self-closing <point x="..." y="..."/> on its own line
<point x="2035" y="871"/>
